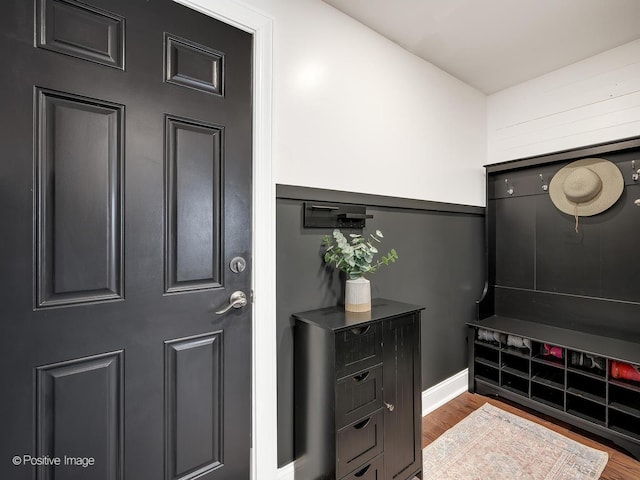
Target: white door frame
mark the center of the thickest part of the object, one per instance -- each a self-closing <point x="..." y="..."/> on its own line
<point x="264" y="451"/>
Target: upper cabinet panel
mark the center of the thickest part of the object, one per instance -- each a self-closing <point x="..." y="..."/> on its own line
<point x="82" y="31"/>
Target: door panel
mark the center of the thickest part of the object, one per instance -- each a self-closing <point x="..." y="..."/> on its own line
<point x="82" y="31"/>
<point x="79" y="184"/>
<point x="193" y="66"/>
<point x="124" y="197"/>
<point x="194" y="401"/>
<point x="79" y="409"/>
<point x="194" y="202"/>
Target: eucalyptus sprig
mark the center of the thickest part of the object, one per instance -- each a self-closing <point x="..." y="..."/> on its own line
<point x="355" y="257"/>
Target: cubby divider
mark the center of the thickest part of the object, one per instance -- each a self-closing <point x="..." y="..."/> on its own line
<point x="550" y="396"/>
<point x="587" y="387"/>
<point x="515" y="383"/>
<point x="487" y="373"/>
<point x="624" y="400"/>
<point x="488" y="355"/>
<point x="628" y="425"/>
<point x="546" y="374"/>
<point x="515" y="365"/>
<point x="629" y="385"/>
<point x="518" y="352"/>
<point x="586" y="409"/>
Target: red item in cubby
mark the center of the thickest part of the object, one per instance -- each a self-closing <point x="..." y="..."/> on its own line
<point x="551" y="350"/>
<point x="624" y="370"/>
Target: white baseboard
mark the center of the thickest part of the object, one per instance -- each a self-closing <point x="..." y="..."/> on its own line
<point x="432" y="398"/>
<point x="444" y="391"/>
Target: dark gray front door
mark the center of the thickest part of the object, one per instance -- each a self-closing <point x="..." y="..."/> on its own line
<point x="125" y="192"/>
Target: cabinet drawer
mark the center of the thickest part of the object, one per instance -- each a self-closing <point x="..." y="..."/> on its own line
<point x="371" y="470"/>
<point x="358" y="395"/>
<point x="358" y="348"/>
<point x="358" y="443"/>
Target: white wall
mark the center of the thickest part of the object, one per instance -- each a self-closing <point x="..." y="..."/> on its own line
<point x="592" y="101"/>
<point x="353" y="111"/>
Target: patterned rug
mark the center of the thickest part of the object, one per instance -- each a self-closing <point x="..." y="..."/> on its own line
<point x="491" y="444"/>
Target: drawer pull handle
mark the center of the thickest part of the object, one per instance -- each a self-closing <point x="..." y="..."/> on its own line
<point x="362" y="424"/>
<point x="361" y="377"/>
<point x="360" y="330"/>
<point x="363" y="471"/>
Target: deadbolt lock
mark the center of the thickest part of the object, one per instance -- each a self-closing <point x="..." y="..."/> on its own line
<point x="237" y="264"/>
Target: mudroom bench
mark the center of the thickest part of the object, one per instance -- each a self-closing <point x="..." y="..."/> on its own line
<point x="558" y="326"/>
<point x="565" y="373"/>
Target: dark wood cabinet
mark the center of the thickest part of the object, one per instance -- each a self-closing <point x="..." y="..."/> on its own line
<point x="357" y="393"/>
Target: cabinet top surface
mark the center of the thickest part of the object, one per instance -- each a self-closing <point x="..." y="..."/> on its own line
<point x="335" y="318"/>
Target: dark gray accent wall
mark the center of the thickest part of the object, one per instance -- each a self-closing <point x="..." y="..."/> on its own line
<point x="441" y="266"/>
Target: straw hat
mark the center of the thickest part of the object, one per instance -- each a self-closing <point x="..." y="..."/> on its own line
<point x="586" y="187"/>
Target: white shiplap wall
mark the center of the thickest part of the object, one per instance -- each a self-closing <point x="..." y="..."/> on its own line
<point x="592" y="101"/>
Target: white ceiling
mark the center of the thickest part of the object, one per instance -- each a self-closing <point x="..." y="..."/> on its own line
<point x="494" y="44"/>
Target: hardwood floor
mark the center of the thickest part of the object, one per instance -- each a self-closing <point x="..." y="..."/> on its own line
<point x="620" y="466"/>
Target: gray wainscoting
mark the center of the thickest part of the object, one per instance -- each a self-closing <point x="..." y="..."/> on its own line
<point x="441" y="266"/>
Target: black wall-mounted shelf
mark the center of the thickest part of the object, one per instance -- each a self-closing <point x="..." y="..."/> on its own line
<point x="334" y="215"/>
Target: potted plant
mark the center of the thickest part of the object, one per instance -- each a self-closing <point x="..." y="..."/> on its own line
<point x="355" y="257"/>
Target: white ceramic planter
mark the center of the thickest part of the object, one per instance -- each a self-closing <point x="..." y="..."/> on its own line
<point x="357" y="295"/>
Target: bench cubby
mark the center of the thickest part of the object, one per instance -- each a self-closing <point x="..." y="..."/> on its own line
<point x="569" y="386"/>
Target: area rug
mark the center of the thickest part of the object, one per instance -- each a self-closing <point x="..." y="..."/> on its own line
<point x="491" y="444"/>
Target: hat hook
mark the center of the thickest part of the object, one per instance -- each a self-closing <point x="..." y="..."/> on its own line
<point x="510" y="189"/>
<point x="544" y="185"/>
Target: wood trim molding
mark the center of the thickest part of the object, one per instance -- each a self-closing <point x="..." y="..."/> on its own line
<point x="293" y="192"/>
<point x="574" y="153"/>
